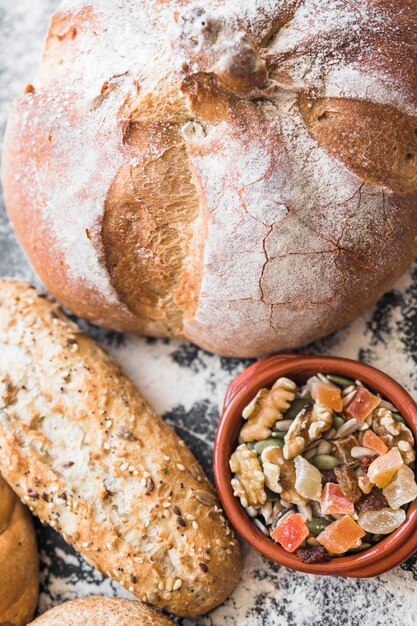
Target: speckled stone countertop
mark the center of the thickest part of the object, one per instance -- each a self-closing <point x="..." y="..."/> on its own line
<point x="186" y="385"/>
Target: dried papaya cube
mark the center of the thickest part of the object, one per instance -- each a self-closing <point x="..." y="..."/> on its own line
<point x="341" y="535"/>
<point x="362" y="404"/>
<point x="383" y="469"/>
<point x="372" y="441"/>
<point x="334" y="501"/>
<point x="402" y="489"/>
<point x="290" y="532"/>
<point x="328" y="396"/>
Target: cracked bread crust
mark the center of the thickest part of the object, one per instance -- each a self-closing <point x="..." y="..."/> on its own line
<point x="19" y="571"/>
<point x="87" y="454"/>
<point x="100" y="611"/>
<point x="243" y="176"/>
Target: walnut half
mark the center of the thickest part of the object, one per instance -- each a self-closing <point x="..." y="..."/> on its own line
<point x="309" y="424"/>
<point x="287" y="475"/>
<point x="249" y="481"/>
<point x="394" y="434"/>
<point x="267" y="408"/>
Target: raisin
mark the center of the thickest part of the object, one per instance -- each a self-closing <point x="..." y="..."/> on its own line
<point x="365" y="461"/>
<point x="329" y="477"/>
<point x="373" y="501"/>
<point x="315" y="554"/>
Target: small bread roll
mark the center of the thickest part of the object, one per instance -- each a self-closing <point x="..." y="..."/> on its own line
<point x="19" y="572"/>
<point x="83" y="448"/>
<point x="99" y="611"/>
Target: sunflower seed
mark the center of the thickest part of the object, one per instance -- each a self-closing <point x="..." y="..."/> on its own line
<point x="348" y="427"/>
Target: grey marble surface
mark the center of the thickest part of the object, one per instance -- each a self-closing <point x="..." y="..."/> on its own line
<point x="186" y="385"/>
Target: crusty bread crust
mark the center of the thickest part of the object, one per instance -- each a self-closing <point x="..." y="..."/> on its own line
<point x="244" y="176"/>
<point x="82" y="448"/>
<point x="247" y="181"/>
<point x="19" y="571"/>
<point x="100" y="611"/>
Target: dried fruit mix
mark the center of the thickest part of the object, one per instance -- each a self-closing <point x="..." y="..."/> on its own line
<point x="322" y="465"/>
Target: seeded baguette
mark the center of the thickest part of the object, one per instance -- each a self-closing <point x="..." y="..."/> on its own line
<point x="81" y="446"/>
<point x="19" y="572"/>
<point x="99" y="611"/>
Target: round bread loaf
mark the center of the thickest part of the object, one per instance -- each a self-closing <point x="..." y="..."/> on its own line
<point x="19" y="573"/>
<point x="99" y="611"/>
<point x="244" y="176"/>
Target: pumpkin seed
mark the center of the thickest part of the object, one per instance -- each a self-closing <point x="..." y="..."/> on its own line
<point x="361" y="548"/>
<point x="278" y="434"/>
<point x="296" y="406"/>
<point x="399" y="418"/>
<point x="338" y="421"/>
<point x="310" y="453"/>
<point x="324" y="461"/>
<point x="340" y="381"/>
<point x="266" y="443"/>
<point x="317" y="525"/>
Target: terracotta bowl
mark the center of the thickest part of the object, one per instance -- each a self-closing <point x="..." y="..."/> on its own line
<point x="389" y="552"/>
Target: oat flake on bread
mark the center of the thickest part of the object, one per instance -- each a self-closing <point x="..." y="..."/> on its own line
<point x="82" y="448"/>
<point x="242" y="174"/>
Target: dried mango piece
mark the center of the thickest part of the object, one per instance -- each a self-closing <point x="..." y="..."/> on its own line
<point x="362" y="404"/>
<point x="327" y="395"/>
<point x="341" y="535"/>
<point x="383" y="469"/>
<point x="267" y="408"/>
<point x="290" y="532"/>
<point x="372" y="441"/>
<point x="334" y="501"/>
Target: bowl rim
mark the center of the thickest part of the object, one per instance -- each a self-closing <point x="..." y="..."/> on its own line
<point x="386" y="554"/>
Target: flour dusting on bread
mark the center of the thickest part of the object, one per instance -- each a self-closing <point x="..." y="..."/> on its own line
<point x="108" y="167"/>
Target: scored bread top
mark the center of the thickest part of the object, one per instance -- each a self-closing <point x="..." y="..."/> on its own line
<point x="243" y="174"/>
<point x="85" y="451"/>
<point x="19" y="571"/>
<point x="100" y="611"/>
